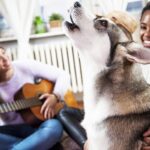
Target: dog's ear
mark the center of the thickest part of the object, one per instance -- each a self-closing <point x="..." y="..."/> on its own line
<point x="138" y="54"/>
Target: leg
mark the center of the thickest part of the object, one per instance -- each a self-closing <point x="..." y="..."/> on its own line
<point x="18" y="130"/>
<point x="46" y="136"/>
<point x="12" y="134"/>
<point x="71" y="118"/>
<point x="7" y="141"/>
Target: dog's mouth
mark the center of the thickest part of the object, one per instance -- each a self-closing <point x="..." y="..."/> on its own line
<point x="71" y="25"/>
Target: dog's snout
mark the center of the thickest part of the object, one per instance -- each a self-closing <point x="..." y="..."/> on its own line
<point x="77" y="4"/>
<point x="104" y="23"/>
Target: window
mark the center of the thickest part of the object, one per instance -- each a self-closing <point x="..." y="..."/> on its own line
<point x="135" y="5"/>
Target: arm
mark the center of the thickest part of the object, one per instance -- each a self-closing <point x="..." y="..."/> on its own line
<point x="51" y="73"/>
<point x="62" y="84"/>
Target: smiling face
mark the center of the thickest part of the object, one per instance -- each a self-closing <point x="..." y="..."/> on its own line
<point x="5" y="63"/>
<point x="145" y="29"/>
<point x="6" y="68"/>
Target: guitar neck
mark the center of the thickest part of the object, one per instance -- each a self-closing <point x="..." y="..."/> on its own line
<point x="19" y="105"/>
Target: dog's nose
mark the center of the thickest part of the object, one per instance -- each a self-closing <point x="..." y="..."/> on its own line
<point x="104" y="23"/>
<point x="77" y="4"/>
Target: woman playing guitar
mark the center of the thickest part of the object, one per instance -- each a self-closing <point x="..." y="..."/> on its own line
<point x="15" y="133"/>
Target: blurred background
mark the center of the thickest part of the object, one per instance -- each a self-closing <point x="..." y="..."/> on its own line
<point x="32" y="29"/>
<point x="24" y="18"/>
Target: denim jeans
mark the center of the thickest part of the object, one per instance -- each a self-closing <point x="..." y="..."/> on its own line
<point x="25" y="137"/>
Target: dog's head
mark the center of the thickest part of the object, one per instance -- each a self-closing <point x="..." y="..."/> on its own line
<point x="80" y="29"/>
<point x="97" y="37"/>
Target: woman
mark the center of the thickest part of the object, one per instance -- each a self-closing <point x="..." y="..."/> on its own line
<point x="71" y="117"/>
<point x="145" y="26"/>
<point x="145" y="39"/>
<point x="15" y="133"/>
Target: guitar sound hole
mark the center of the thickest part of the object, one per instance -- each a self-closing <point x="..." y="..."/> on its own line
<point x="38" y="96"/>
<point x="42" y="100"/>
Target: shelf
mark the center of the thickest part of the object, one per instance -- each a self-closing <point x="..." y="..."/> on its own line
<point x="48" y="34"/>
<point x="54" y="32"/>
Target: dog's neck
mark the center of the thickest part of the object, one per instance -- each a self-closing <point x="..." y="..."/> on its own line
<point x="90" y="72"/>
<point x="91" y="69"/>
<point x="119" y="78"/>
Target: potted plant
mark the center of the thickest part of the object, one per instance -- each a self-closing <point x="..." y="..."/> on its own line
<point x="39" y="25"/>
<point x="55" y="20"/>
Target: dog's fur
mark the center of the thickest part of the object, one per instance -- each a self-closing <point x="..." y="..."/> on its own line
<point x="116" y="96"/>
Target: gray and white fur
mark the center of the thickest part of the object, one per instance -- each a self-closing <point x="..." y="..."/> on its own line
<point x="116" y="96"/>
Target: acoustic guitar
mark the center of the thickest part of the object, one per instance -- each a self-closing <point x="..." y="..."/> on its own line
<point x="28" y="103"/>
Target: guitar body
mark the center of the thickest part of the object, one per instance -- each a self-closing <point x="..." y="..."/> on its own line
<point x="32" y="115"/>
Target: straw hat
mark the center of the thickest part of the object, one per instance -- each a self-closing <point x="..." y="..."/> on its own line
<point x="123" y="19"/>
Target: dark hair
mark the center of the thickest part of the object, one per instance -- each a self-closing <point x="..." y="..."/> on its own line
<point x="1" y="47"/>
<point x="147" y="7"/>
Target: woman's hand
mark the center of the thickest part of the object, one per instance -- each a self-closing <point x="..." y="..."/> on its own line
<point x="48" y="107"/>
<point x="146" y="143"/>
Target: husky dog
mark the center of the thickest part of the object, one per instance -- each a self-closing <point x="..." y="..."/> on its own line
<point x="116" y="96"/>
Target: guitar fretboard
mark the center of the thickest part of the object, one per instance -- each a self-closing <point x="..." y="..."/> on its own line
<point x="19" y="105"/>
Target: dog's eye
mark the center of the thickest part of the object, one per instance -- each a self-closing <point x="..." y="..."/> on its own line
<point x="103" y="23"/>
